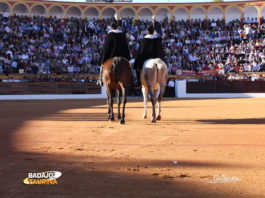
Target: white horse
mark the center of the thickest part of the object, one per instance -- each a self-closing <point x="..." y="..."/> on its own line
<point x="154" y="79"/>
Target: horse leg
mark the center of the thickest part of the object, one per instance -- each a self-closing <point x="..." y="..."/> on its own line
<point x="158" y="116"/>
<point x="118" y="103"/>
<point x="124" y="100"/>
<point x="111" y="108"/>
<point x="108" y="101"/>
<point x="145" y="92"/>
<point x="160" y="96"/>
<point x="110" y="104"/>
<point x="161" y="92"/>
<point x="157" y="93"/>
<point x="153" y="100"/>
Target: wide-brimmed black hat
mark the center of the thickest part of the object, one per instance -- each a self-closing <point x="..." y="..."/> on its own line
<point x="114" y="25"/>
<point x="150" y="29"/>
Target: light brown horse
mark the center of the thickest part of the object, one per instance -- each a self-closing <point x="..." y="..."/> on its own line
<point x="117" y="76"/>
<point x="154" y="79"/>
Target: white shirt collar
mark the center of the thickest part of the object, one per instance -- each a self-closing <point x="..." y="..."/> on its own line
<point x="115" y="31"/>
<point x="151" y="36"/>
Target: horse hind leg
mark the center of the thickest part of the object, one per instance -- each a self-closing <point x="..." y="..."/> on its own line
<point x="157" y="93"/>
<point x="145" y="95"/>
<point x="108" y="91"/>
<point x="158" y="117"/>
<point x="124" y="100"/>
<point x="111" y="112"/>
<point x="160" y="96"/>
<point x="118" y="103"/>
<point x="110" y="104"/>
<point x="153" y="100"/>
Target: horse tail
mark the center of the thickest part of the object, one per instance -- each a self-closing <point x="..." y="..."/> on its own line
<point x="115" y="64"/>
<point x="156" y="71"/>
<point x="115" y="67"/>
<point x="122" y="71"/>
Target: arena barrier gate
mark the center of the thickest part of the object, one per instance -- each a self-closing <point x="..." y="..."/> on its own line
<point x="219" y="89"/>
<point x="44" y="93"/>
<point x="183" y="89"/>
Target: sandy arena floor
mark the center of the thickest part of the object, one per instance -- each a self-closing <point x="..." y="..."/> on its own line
<point x="207" y="138"/>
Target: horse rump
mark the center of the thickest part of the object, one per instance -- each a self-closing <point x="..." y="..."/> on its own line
<point x="122" y="71"/>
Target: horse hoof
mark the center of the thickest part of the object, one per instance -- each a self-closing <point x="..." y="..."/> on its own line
<point x="118" y="117"/>
<point x="111" y="119"/>
<point x="144" y="116"/>
<point x="158" y="117"/>
<point x="122" y="122"/>
<point x="153" y="121"/>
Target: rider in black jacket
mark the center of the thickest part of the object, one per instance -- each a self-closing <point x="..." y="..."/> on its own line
<point x="115" y="45"/>
<point x="150" y="47"/>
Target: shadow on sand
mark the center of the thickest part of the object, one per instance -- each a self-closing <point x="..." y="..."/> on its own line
<point x="85" y="176"/>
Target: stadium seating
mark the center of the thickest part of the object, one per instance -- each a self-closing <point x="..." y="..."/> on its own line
<point x="194" y="45"/>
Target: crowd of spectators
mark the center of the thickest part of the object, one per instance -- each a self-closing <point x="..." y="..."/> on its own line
<point x="61" y="46"/>
<point x="226" y="48"/>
